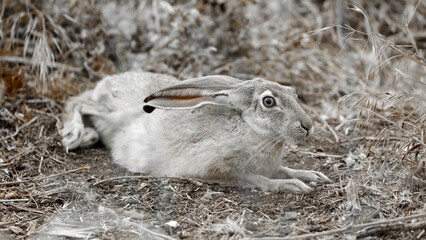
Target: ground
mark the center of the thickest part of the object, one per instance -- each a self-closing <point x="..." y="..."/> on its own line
<point x="104" y="201"/>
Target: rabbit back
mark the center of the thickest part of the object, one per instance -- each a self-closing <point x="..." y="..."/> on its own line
<point x="127" y="90"/>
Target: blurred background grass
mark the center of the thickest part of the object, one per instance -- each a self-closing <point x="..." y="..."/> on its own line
<point x="360" y="63"/>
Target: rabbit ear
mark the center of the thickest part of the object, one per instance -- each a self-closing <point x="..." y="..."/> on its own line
<point x="192" y="93"/>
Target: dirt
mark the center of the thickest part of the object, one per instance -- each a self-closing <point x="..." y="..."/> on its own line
<point x="108" y="202"/>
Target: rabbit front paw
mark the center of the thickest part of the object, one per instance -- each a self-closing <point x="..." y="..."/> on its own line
<point x="291" y="186"/>
<point x="312" y="176"/>
<point x="276" y="185"/>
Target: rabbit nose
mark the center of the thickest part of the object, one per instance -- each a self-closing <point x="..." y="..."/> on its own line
<point x="307" y="125"/>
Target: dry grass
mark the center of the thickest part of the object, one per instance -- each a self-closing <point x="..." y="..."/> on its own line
<point x="359" y="69"/>
<point x="45" y="40"/>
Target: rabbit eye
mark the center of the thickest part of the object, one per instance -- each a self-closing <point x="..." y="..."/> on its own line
<point x="268" y="102"/>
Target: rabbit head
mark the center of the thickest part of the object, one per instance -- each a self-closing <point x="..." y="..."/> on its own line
<point x="270" y="109"/>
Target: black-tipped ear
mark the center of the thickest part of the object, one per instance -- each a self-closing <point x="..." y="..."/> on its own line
<point x="193" y="93"/>
<point x="174" y="100"/>
<point x="148" y="109"/>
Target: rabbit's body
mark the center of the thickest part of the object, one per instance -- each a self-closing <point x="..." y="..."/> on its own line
<point x="214" y="128"/>
<point x="198" y="151"/>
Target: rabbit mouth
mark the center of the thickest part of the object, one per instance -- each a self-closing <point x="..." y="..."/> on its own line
<point x="301" y="133"/>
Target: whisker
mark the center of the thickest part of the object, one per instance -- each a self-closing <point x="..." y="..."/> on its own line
<point x="268" y="143"/>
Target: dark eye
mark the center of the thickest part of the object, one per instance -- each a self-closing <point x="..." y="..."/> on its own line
<point x="268" y="101"/>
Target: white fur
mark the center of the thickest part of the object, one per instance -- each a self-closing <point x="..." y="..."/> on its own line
<point x="239" y="141"/>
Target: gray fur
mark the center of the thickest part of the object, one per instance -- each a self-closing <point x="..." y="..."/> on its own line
<point x="215" y="128"/>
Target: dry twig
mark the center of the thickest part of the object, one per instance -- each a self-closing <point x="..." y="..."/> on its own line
<point x="366" y="228"/>
<point x="43" y="178"/>
<point x="117" y="178"/>
<point x="20" y="128"/>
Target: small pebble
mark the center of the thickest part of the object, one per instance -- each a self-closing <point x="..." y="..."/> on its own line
<point x="172" y="224"/>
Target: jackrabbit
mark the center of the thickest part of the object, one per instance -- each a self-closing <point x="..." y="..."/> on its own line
<point x="215" y="128"/>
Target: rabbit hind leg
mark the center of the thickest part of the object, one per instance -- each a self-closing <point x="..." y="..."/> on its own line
<point x="77" y="130"/>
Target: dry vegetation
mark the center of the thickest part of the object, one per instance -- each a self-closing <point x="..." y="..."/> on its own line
<point x="359" y="69"/>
